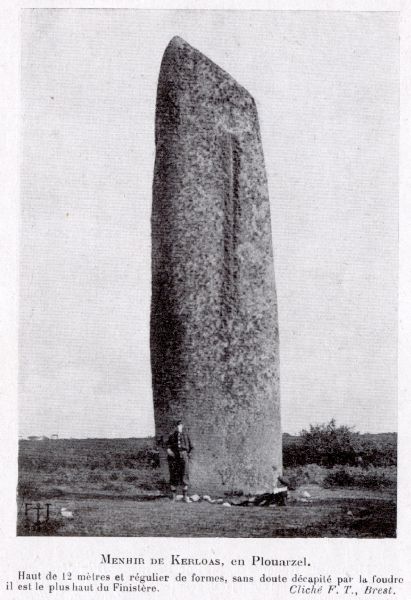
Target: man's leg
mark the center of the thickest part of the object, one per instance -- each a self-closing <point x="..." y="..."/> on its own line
<point x="172" y="467"/>
<point x="186" y="497"/>
<point x="185" y="476"/>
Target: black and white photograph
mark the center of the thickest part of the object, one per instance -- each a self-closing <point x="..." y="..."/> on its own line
<point x="208" y="273"/>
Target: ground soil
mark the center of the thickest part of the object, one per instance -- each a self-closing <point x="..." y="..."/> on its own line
<point x="326" y="513"/>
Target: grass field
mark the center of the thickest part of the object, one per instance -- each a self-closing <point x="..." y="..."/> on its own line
<point x="115" y="488"/>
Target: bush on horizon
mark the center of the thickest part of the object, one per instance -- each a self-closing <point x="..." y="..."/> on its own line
<point x="328" y="445"/>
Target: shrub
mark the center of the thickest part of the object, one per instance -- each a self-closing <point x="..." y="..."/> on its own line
<point x="373" y="478"/>
<point x="340" y="477"/>
<point x="379" y="452"/>
<point x="329" y="445"/>
<point x="302" y="475"/>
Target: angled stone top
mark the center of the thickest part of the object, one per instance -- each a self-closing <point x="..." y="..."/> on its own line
<point x="189" y="81"/>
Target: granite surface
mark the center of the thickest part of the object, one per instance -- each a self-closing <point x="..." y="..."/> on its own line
<point x="214" y="328"/>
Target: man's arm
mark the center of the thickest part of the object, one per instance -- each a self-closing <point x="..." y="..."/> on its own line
<point x="169" y="446"/>
<point x="190" y="445"/>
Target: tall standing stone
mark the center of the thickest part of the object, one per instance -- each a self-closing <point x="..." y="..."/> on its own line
<point x="214" y="331"/>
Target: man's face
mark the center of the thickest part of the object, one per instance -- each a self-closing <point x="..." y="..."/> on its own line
<point x="180" y="427"/>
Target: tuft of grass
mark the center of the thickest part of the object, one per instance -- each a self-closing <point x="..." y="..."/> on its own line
<point x="302" y="475"/>
<point x="95" y="476"/>
<point x="27" y="527"/>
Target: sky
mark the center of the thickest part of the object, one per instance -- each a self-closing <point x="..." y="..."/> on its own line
<point x="326" y="88"/>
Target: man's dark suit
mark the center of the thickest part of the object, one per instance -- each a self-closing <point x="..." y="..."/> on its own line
<point x="180" y="445"/>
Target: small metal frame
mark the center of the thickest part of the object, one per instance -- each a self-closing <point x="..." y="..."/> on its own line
<point x="38" y="508"/>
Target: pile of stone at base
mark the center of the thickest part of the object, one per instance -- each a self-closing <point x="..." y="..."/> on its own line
<point x="278" y="497"/>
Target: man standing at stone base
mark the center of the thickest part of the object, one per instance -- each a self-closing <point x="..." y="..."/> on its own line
<point x="178" y="451"/>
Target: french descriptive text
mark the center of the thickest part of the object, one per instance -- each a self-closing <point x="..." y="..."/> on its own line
<point x="293" y="576"/>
